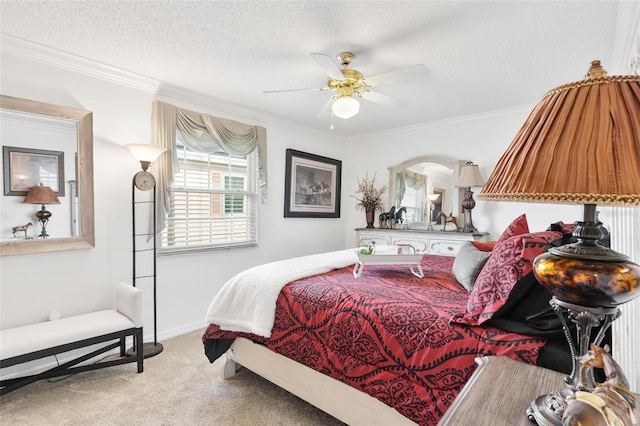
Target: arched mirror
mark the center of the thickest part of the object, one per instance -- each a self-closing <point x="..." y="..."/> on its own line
<point x="49" y="147"/>
<point x="425" y="186"/>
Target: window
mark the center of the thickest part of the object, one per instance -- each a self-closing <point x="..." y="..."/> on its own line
<point x="233" y="203"/>
<point x="214" y="201"/>
<point x="412" y="198"/>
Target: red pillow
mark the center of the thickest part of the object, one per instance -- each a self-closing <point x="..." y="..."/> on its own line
<point x="519" y="226"/>
<point x="484" y="246"/>
<point x="509" y="262"/>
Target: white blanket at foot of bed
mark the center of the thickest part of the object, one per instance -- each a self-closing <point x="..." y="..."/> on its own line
<point x="247" y="302"/>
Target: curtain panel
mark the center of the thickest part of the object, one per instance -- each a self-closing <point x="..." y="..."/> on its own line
<point x="202" y="133"/>
<point x="409" y="179"/>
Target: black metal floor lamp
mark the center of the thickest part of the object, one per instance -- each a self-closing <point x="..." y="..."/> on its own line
<point x="145" y="181"/>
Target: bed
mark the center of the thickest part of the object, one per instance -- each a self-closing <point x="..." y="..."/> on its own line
<point x="390" y="347"/>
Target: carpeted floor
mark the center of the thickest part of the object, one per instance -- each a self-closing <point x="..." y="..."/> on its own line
<point x="178" y="387"/>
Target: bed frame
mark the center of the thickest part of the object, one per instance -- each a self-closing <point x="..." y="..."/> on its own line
<point x="338" y="399"/>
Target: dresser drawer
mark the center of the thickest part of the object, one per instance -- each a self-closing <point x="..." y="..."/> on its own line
<point x="445" y="247"/>
<point x="367" y="238"/>
<point x="421" y="245"/>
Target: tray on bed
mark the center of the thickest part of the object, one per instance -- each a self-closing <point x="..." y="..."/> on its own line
<point x="390" y="255"/>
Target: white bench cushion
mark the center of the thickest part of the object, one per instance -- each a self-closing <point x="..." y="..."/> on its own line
<point x="34" y="337"/>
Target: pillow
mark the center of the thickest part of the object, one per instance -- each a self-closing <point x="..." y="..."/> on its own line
<point x="468" y="264"/>
<point x="510" y="261"/>
<point x="519" y="226"/>
<point x="484" y="246"/>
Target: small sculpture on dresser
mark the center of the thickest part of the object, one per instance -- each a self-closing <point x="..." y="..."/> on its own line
<point x="610" y="403"/>
<point x="387" y="220"/>
<point x="448" y="219"/>
<point x="23" y="228"/>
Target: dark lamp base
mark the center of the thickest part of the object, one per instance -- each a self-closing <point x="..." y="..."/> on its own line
<point x="148" y="350"/>
<point x="586" y="282"/>
<point x="547" y="410"/>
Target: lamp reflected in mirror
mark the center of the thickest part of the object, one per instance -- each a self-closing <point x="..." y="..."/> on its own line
<point x="42" y="195"/>
<point x="432" y="207"/>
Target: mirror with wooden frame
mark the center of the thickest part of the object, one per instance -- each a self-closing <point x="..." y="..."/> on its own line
<point x="426" y="186"/>
<point x="50" y="145"/>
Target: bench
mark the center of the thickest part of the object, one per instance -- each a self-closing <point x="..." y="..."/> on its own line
<point x="31" y="342"/>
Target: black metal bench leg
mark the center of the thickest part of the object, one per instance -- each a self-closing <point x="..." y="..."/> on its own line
<point x="139" y="350"/>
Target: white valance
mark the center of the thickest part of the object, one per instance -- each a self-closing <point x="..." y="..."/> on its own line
<point x="202" y="133"/>
<point x="409" y="179"/>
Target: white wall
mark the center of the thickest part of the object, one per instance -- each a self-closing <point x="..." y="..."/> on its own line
<point x="80" y="281"/>
<point x="481" y="139"/>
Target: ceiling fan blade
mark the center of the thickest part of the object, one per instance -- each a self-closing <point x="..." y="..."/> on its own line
<point x="381" y="98"/>
<point x="403" y="74"/>
<point x="327" y="63"/>
<point x="326" y="109"/>
<point x="296" y="90"/>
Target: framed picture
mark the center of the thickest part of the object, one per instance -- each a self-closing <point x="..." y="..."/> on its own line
<point x="312" y="185"/>
<point x="25" y="168"/>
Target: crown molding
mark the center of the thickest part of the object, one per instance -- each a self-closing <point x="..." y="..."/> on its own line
<point x="484" y="116"/>
<point x="21" y="48"/>
<point x="43" y="54"/>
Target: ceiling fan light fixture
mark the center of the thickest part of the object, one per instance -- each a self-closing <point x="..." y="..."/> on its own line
<point x="345" y="107"/>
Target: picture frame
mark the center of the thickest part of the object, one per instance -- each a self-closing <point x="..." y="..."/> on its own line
<point x="312" y="185"/>
<point x="27" y="167"/>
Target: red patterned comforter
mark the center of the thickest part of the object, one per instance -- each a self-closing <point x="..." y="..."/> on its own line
<point x="388" y="334"/>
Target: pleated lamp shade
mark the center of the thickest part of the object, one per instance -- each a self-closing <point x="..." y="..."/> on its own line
<point x="41" y="194"/>
<point x="581" y="144"/>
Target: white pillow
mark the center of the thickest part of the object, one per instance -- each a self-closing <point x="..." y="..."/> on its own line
<point x="468" y="264"/>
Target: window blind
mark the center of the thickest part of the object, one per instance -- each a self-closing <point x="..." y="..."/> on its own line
<point x="214" y="201"/>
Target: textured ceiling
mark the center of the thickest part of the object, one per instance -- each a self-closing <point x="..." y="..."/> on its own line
<point x="481" y="55"/>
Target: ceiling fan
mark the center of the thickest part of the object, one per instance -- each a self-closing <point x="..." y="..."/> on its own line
<point x="350" y="84"/>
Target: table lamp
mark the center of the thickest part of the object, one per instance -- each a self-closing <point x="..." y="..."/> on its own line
<point x="469" y="178"/>
<point x="41" y="194"/>
<point x="580" y="145"/>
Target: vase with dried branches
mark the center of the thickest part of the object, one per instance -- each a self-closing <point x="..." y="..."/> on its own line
<point x="370" y="198"/>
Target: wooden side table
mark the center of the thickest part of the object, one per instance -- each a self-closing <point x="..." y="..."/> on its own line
<point x="499" y="392"/>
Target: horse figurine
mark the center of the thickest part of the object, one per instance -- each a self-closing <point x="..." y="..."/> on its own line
<point x="388" y="219"/>
<point x="21" y="228"/>
<point x="610" y="403"/>
<point x="399" y="218"/>
<point x="448" y="219"/>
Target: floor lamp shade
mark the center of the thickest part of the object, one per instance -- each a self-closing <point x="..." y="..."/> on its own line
<point x="144" y="153"/>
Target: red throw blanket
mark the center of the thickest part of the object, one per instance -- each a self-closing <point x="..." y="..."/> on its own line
<point x="388" y="334"/>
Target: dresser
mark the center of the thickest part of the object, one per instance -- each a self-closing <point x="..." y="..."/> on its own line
<point x="444" y="243"/>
